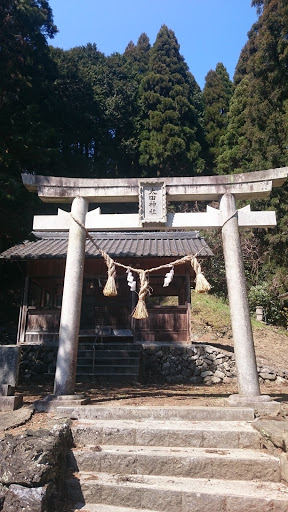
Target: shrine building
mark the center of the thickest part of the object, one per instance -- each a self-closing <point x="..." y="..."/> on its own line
<point x="109" y="318"/>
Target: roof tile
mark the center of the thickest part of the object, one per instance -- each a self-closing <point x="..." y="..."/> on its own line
<point x="136" y="244"/>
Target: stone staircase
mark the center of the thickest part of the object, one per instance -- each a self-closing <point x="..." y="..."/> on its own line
<point x="112" y="361"/>
<point x="173" y="459"/>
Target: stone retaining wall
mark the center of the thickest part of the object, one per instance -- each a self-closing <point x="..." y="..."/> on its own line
<point x="160" y="363"/>
<point x="195" y="364"/>
<point x="35" y="361"/>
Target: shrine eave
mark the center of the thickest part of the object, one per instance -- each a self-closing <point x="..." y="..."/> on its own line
<point x="118" y="245"/>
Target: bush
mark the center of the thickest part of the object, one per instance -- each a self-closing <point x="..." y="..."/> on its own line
<point x="273" y="307"/>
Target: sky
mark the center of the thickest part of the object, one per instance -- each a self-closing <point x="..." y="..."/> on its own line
<point x="208" y="31"/>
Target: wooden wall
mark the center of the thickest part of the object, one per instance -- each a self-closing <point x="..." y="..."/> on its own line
<point x="40" y="316"/>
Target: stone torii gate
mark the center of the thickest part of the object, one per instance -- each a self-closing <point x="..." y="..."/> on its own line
<point x="153" y="195"/>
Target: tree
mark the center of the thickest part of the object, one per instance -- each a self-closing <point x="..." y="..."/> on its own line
<point x="139" y="54"/>
<point x="26" y="72"/>
<point x="261" y="127"/>
<point x="169" y="142"/>
<point x="257" y="131"/>
<point x="77" y="112"/>
<point x="217" y="94"/>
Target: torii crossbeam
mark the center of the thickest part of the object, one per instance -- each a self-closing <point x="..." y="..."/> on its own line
<point x="153" y="195"/>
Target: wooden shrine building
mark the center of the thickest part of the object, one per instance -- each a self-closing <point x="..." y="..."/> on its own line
<point x="105" y="317"/>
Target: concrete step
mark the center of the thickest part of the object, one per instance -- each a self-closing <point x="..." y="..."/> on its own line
<point x="104" y="369"/>
<point x="205" y="434"/>
<point x="177" y="494"/>
<point x="111" y="380"/>
<point x="129" y="347"/>
<point x="98" y="507"/>
<point x="187" y="413"/>
<point x="224" y="464"/>
<point x="108" y="354"/>
<point x="108" y="361"/>
<point x="115" y="341"/>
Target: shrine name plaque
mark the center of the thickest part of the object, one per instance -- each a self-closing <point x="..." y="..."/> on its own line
<point x="152" y="202"/>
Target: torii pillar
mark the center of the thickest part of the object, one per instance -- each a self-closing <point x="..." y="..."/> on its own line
<point x="65" y="376"/>
<point x="247" y="375"/>
<point x="225" y="189"/>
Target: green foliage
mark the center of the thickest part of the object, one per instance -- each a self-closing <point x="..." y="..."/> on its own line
<point x="27" y="72"/>
<point x="216" y="96"/>
<point x="139" y="54"/>
<point x="25" y="69"/>
<point x="257" y="131"/>
<point x="273" y="307"/>
<point x="170" y="127"/>
<point x="210" y="310"/>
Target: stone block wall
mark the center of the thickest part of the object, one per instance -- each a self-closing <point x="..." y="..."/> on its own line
<point x="160" y="363"/>
<point x="35" y="361"/>
<point x="194" y="364"/>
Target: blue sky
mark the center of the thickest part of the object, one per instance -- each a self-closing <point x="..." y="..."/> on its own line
<point x="209" y="31"/>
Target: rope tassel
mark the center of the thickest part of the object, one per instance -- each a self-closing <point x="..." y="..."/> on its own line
<point x="110" y="289"/>
<point x="141" y="311"/>
<point x="202" y="285"/>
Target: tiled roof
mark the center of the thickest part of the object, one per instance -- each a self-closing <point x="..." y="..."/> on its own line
<point x="119" y="245"/>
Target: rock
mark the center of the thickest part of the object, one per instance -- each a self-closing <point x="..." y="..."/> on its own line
<point x="33" y="459"/>
<point x="219" y="361"/>
<point x="267" y="376"/>
<point x="195" y="380"/>
<point x="219" y="374"/>
<point x="206" y="374"/>
<point x="210" y="350"/>
<point x="212" y="380"/>
<point x="33" y="468"/>
<point x="274" y="431"/>
<point x="25" y="498"/>
<point x="280" y="380"/>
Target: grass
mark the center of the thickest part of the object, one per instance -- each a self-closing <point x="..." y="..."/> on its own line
<point x="210" y="310"/>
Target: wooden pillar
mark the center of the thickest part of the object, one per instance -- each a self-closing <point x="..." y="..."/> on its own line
<point x="65" y="377"/>
<point x="188" y="300"/>
<point x="248" y="382"/>
<point x="23" y="313"/>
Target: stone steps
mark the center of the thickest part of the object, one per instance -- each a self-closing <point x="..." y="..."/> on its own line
<point x="108" y="354"/>
<point x="168" y="413"/>
<point x="107" y="369"/>
<point x="171" y="494"/>
<point x="109" y="361"/>
<point x="151" y="459"/>
<point x="198" y="434"/>
<point x="118" y="361"/>
<point x="232" y="464"/>
<point x="108" y="508"/>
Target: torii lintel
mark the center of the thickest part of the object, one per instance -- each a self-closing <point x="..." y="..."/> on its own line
<point x="250" y="185"/>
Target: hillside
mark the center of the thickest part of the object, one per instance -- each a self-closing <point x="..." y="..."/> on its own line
<point x="211" y="323"/>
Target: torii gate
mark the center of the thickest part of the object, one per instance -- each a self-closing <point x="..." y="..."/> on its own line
<point x="153" y="195"/>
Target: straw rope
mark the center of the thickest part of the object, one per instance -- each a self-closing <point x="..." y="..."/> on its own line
<point x="140" y="310"/>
